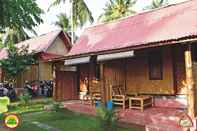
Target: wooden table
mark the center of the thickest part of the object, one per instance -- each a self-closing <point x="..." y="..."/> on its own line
<point x="140" y="102"/>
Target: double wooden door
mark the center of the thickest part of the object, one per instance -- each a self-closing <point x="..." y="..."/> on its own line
<point x="66" y="86"/>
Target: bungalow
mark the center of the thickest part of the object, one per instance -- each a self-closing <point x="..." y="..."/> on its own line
<point x="150" y="53"/>
<point x="48" y="46"/>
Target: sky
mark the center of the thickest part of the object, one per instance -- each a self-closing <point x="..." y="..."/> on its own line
<point x="95" y="6"/>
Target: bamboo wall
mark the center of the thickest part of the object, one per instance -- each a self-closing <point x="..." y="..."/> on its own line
<point x="42" y="71"/>
<point x="179" y="69"/>
<point x="45" y="71"/>
<point x="138" y="74"/>
<point x="114" y="78"/>
<point x="30" y="74"/>
<point x="195" y="85"/>
<point x="87" y="71"/>
<point x="133" y="73"/>
<point x="194" y="68"/>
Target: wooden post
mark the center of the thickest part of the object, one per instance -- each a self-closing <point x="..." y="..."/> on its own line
<point x="189" y="82"/>
<point x="55" y="68"/>
<point x="102" y="80"/>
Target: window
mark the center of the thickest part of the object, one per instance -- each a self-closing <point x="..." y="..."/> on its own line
<point x="155" y="65"/>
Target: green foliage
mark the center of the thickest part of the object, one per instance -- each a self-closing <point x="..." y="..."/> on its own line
<point x="63" y="22"/>
<point x="14" y="35"/>
<point x="107" y="119"/>
<point x="25" y="99"/>
<point x="116" y="9"/>
<point x="156" y="4"/>
<point x="17" y="62"/>
<point x="56" y="106"/>
<point x="4" y="102"/>
<point x="19" y="14"/>
<point x="81" y="13"/>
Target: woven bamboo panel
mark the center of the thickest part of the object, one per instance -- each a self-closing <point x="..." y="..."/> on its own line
<point x="45" y="71"/>
<point x="138" y="74"/>
<point x="114" y="73"/>
<point x="180" y="69"/>
<point x="195" y="85"/>
<point x="30" y="74"/>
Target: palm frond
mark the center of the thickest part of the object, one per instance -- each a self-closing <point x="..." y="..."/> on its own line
<point x="55" y="3"/>
<point x="116" y="9"/>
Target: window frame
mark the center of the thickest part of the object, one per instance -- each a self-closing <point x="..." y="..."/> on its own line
<point x="158" y="55"/>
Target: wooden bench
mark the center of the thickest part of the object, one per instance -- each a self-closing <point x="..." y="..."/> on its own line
<point x="140" y="102"/>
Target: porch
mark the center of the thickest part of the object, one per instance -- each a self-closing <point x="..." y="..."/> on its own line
<point x="158" y="72"/>
<point x="153" y="118"/>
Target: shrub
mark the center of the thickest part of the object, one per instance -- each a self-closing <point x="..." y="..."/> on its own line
<point x="25" y="99"/>
<point x="4" y="102"/>
<point x="107" y="119"/>
<point x="55" y="106"/>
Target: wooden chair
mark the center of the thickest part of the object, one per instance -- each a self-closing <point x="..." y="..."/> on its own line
<point x="118" y="96"/>
<point x="96" y="97"/>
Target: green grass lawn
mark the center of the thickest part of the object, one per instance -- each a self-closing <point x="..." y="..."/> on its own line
<point x="64" y="120"/>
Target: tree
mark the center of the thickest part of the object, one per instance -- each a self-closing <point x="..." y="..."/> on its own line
<point x="116" y="9"/>
<point x="17" y="62"/>
<point x="63" y="22"/>
<point x="15" y="35"/>
<point x="19" y="13"/>
<point x="81" y="13"/>
<point x="156" y="4"/>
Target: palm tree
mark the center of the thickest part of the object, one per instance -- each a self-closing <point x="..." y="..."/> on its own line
<point x="156" y="4"/>
<point x="81" y="13"/>
<point x="14" y="35"/>
<point x="116" y="9"/>
<point x="63" y="22"/>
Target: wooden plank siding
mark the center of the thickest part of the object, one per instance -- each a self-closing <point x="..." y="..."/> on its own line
<point x="138" y="74"/>
<point x="194" y="68"/>
<point x="66" y="86"/>
<point x="133" y="74"/>
<point x="30" y="74"/>
<point x="45" y="70"/>
<point x="114" y="74"/>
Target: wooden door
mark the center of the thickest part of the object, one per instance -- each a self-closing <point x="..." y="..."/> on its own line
<point x="66" y="86"/>
<point x="114" y="75"/>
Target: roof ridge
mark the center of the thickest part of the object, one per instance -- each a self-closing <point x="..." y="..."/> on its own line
<point x="140" y="13"/>
<point x="35" y="37"/>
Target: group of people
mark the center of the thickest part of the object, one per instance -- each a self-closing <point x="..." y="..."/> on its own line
<point x="7" y="89"/>
<point x="34" y="88"/>
<point x="39" y="88"/>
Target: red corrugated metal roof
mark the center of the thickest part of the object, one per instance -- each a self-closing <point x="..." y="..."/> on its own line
<point x="40" y="43"/>
<point x="164" y="24"/>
